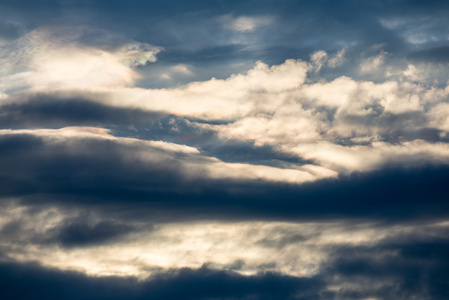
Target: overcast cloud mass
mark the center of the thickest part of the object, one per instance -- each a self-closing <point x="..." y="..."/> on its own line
<point x="224" y="149"/>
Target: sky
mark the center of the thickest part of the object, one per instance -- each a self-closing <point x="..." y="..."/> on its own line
<point x="224" y="150"/>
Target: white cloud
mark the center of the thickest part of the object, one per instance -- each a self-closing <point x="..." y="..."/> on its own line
<point x="181" y="69"/>
<point x="337" y="59"/>
<point x="439" y="116"/>
<point x="136" y="54"/>
<point x="412" y="73"/>
<point x="346" y="159"/>
<point x="318" y="59"/>
<point x="262" y="87"/>
<point x="42" y="60"/>
<point x="372" y="64"/>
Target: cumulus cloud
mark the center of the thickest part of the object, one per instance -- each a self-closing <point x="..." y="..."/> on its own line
<point x="217" y="98"/>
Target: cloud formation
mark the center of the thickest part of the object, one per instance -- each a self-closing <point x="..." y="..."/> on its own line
<point x="211" y="150"/>
<point x="336" y="124"/>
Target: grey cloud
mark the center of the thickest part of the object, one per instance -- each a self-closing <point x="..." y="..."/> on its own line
<point x="391" y="128"/>
<point x="107" y="161"/>
<point x="12" y="230"/>
<point x="417" y="271"/>
<point x="80" y="233"/>
<point x="282" y="241"/>
<point x="54" y="110"/>
<point x="240" y="151"/>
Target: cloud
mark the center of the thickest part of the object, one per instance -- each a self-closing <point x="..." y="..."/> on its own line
<point x="396" y="269"/>
<point x="337" y="59"/>
<point x="216" y="98"/>
<point x="335" y="125"/>
<point x="399" y="261"/>
<point x="202" y="283"/>
<point x="64" y="109"/>
<point x="134" y="55"/>
<point x="81" y="233"/>
<point x="245" y="23"/>
<point x="121" y="239"/>
<point x="318" y="58"/>
<point x="162" y="161"/>
<point x="88" y="165"/>
<point x="43" y="60"/>
<point x="372" y="64"/>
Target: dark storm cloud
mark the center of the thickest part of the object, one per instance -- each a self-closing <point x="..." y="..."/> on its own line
<point x="79" y="165"/>
<point x="30" y="281"/>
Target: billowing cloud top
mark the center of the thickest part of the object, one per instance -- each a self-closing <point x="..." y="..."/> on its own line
<point x="288" y="151"/>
